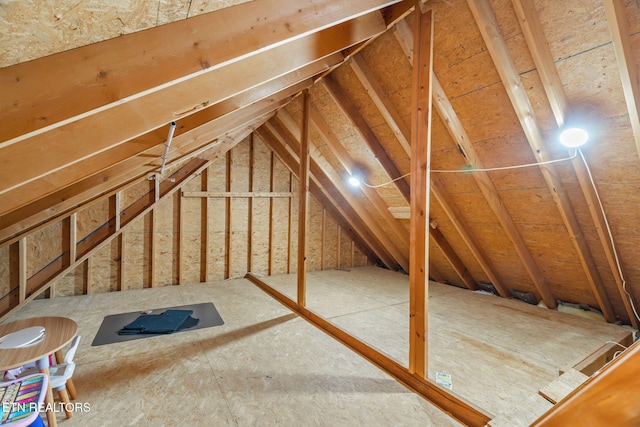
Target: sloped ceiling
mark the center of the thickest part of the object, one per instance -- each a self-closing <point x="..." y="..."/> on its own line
<point x="81" y="123"/>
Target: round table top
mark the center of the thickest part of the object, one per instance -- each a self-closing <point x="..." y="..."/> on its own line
<point x="58" y="332"/>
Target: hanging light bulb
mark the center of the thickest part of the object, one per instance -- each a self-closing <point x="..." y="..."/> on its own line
<point x="354" y="181"/>
<point x="573" y="137"/>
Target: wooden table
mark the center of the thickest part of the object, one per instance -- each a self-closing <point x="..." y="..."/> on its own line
<point x="59" y="331"/>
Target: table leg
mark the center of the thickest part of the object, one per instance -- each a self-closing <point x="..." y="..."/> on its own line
<point x="43" y="367"/>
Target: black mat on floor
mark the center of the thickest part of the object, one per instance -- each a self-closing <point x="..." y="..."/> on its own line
<point x="206" y="314"/>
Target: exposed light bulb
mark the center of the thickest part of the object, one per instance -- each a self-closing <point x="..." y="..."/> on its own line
<point x="355" y="182"/>
<point x="573" y="137"/>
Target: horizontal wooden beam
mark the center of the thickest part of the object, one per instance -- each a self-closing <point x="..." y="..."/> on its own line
<point x="238" y="194"/>
<point x="288" y="84"/>
<point x="102" y="75"/>
<point x="65" y="145"/>
<point x="453" y="405"/>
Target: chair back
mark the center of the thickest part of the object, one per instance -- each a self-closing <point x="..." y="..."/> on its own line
<point x="68" y="357"/>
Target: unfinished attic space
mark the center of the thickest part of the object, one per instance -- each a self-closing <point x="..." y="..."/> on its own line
<point x="364" y="212"/>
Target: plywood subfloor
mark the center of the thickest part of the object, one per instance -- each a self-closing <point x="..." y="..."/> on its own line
<point x="499" y="352"/>
<point x="263" y="367"/>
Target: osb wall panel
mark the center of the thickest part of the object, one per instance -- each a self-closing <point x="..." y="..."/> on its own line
<point x="280" y="247"/>
<point x="393" y="74"/>
<point x="330" y="243"/>
<point x="351" y="85"/>
<point x="91" y="218"/>
<point x="314" y="233"/>
<point x="132" y="193"/>
<point x="135" y="273"/>
<point x="260" y="235"/>
<point x="239" y="235"/>
<point x="216" y="181"/>
<point x="36" y="28"/>
<point x="43" y="246"/>
<point x="73" y="283"/>
<point x="105" y="268"/>
<point x="460" y="248"/>
<point x="166" y="240"/>
<point x="260" y="208"/>
<point x="439" y="262"/>
<point x="192" y="239"/>
<point x="240" y="169"/>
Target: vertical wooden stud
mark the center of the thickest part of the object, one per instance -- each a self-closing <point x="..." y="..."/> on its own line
<point x="250" y="209"/>
<point x="420" y="158"/>
<point x="303" y="201"/>
<point x="121" y="277"/>
<point x="73" y="237"/>
<point x="153" y="223"/>
<point x="290" y="226"/>
<point x="88" y="267"/>
<point x="228" y="223"/>
<point x="322" y="237"/>
<point x="204" y="228"/>
<point x="181" y="215"/>
<point x="22" y="270"/>
<point x="353" y="254"/>
<point x="338" y="264"/>
<point x="271" y="188"/>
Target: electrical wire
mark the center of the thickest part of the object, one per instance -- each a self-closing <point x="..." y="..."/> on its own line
<point x="613" y="246"/>
<point x="386" y="183"/>
<point x="616" y="343"/>
<point x="504" y="167"/>
<point x="474" y="170"/>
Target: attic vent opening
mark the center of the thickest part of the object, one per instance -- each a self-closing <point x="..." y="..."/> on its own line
<point x="488" y="287"/>
<point x="527" y="297"/>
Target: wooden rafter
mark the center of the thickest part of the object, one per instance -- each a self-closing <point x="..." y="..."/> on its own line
<point x="322" y="172"/>
<point x="627" y="62"/>
<point x="65" y="145"/>
<point x="347" y="221"/>
<point x="388" y="111"/>
<point x="367" y="218"/>
<point x="499" y="52"/>
<point x="532" y="29"/>
<point x="421" y="110"/>
<point x="404" y="35"/>
<point x="350" y="166"/>
<point x="351" y="112"/>
<point x="448" y="252"/>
